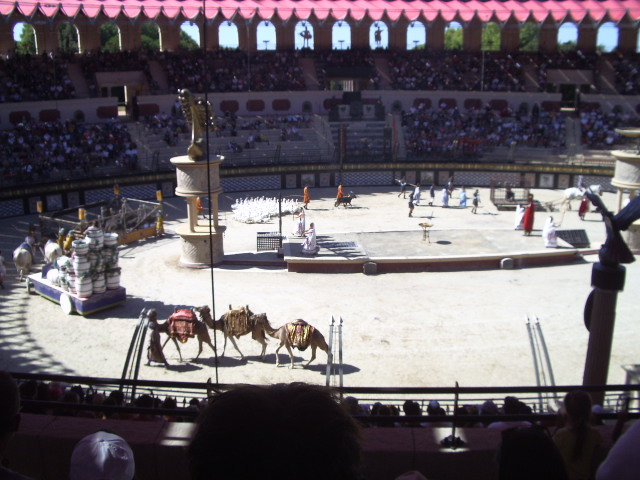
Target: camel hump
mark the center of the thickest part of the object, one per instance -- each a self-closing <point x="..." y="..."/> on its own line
<point x="299" y="322"/>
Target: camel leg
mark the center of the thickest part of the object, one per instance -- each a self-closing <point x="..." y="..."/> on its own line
<point x="224" y="347"/>
<point x="199" y="349"/>
<point x="178" y="347"/>
<point x="290" y="354"/>
<point x="277" y="356"/>
<point x="313" y="355"/>
<point x="233" y="342"/>
<point x="264" y="348"/>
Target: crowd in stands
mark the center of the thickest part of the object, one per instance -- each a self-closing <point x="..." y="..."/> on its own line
<point x="354" y="63"/>
<point x="455" y="70"/>
<point x="442" y="129"/>
<point x="95" y="62"/>
<point x="26" y="78"/>
<point x="33" y="151"/>
<point x="627" y="68"/>
<point x="75" y="395"/>
<point x="233" y="71"/>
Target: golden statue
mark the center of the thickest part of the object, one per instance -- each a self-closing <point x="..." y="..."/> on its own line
<point x="195" y="113"/>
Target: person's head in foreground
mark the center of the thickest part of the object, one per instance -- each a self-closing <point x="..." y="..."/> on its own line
<point x="102" y="456"/>
<point x="283" y="432"/>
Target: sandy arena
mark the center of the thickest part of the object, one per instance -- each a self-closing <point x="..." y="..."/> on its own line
<point x="400" y="329"/>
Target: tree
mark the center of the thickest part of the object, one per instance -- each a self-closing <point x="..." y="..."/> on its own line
<point x="186" y="42"/>
<point x="453" y="38"/>
<point x="567" y="46"/>
<point x="529" y="37"/>
<point x="150" y="36"/>
<point x="491" y="37"/>
<point x="68" y="38"/>
<point x="27" y="43"/>
<point x="109" y="38"/>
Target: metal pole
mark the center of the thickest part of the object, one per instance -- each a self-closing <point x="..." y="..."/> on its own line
<point x="340" y="369"/>
<point x="205" y="72"/>
<point x="535" y="360"/>
<point x="330" y="354"/>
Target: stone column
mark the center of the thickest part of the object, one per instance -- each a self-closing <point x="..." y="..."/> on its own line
<point x="548" y="36"/>
<point x="627" y="36"/>
<point x="169" y="36"/>
<point x="46" y="37"/>
<point x="7" y="43"/>
<point x="587" y="36"/>
<point x="130" y="35"/>
<point x="398" y="35"/>
<point x="472" y="35"/>
<point x="88" y="37"/>
<point x="285" y="33"/>
<point x="359" y="32"/>
<point x="213" y="37"/>
<point x="510" y="36"/>
<point x="322" y="30"/>
<point x="435" y="34"/>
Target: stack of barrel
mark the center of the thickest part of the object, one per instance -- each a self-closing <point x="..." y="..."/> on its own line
<point x="95" y="262"/>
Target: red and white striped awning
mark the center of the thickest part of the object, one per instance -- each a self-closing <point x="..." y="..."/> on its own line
<point x="486" y="10"/>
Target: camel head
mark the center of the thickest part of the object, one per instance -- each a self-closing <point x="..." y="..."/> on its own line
<point x="204" y="313"/>
<point x="152" y="315"/>
<point x="260" y="320"/>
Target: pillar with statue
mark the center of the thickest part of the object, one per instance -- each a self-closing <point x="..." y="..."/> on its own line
<point x="198" y="176"/>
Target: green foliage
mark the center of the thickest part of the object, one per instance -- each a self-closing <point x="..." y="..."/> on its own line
<point x="567" y="46"/>
<point x="150" y="36"/>
<point x="27" y="43"/>
<point x="186" y="42"/>
<point x="68" y="38"/>
<point x="109" y="38"/>
<point x="491" y="37"/>
<point x="529" y="37"/>
<point x="453" y="39"/>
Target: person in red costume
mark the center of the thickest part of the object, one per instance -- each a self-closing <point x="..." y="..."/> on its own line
<point x="584" y="207"/>
<point x="527" y="220"/>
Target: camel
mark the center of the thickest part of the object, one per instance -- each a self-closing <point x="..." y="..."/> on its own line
<point x="300" y="335"/>
<point x="52" y="251"/>
<point x="23" y="257"/>
<point x="199" y="329"/>
<point x="239" y="322"/>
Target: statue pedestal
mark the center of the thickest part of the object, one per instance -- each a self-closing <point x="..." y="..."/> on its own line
<point x="632" y="237"/>
<point x="202" y="244"/>
<point x="195" y="246"/>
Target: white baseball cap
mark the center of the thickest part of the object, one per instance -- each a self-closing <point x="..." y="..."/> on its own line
<point x="102" y="456"/>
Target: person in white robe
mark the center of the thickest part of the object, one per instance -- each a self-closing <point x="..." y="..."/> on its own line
<point x="310" y="246"/>
<point x="445" y="197"/>
<point x="517" y="222"/>
<point x="300" y="217"/>
<point x="549" y="234"/>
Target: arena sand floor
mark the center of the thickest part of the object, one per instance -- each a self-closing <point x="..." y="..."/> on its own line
<point x="400" y="329"/>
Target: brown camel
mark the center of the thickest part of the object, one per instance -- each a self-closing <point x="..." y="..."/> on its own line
<point x="299" y="334"/>
<point x="200" y="330"/>
<point x="239" y="322"/>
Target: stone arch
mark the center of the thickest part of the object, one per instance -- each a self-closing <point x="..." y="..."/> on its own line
<point x="151" y="36"/>
<point x="379" y="35"/>
<point x="266" y="36"/>
<point x="453" y="36"/>
<point x="17" y="33"/>
<point x="110" y="37"/>
<point x="304" y="35"/>
<point x="68" y="38"/>
<point x="607" y="38"/>
<point x="192" y="31"/>
<point x="529" y="37"/>
<point x="228" y="35"/>
<point x="568" y="36"/>
<point x="490" y="37"/>
<point x="416" y="35"/>
<point x="341" y="35"/>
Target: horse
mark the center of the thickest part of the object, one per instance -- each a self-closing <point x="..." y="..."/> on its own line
<point x="23" y="257"/>
<point x="577" y="193"/>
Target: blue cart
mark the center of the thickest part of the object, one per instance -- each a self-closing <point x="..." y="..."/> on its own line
<point x="70" y="302"/>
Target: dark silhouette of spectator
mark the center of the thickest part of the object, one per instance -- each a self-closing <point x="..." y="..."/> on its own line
<point x="528" y="453"/>
<point x="579" y="443"/>
<point x="102" y="455"/>
<point x="9" y="420"/>
<point x="320" y="440"/>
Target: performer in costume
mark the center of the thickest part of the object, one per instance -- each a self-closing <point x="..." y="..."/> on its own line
<point x="154" y="348"/>
<point x="301" y="222"/>
<point x="199" y="207"/>
<point x="583" y="208"/>
<point x="549" y="234"/>
<point x="476" y="201"/>
<point x="527" y="219"/>
<point x="340" y="194"/>
<point x="517" y="223"/>
<point x="463" y="197"/>
<point x="310" y="246"/>
<point x="445" y="197"/>
<point x="416" y="194"/>
<point x="306" y="199"/>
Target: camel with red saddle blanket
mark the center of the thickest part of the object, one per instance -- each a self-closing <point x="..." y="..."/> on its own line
<point x="299" y="334"/>
<point x="183" y="325"/>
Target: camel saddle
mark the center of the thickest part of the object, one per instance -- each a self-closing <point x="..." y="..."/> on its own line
<point x="299" y="334"/>
<point x="237" y="322"/>
<point x="182" y="325"/>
